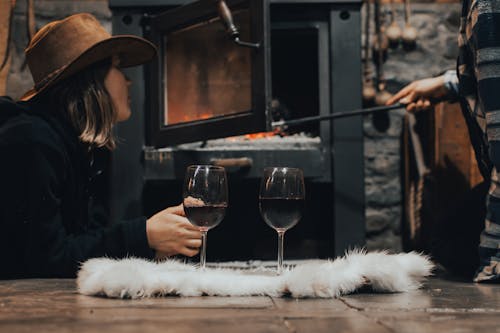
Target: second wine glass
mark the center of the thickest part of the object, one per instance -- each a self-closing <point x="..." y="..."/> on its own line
<point x="205" y="200"/>
<point x="282" y="194"/>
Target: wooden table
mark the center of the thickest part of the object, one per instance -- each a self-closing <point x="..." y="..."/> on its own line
<point x="442" y="306"/>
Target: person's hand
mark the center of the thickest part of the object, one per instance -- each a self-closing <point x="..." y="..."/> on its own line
<point x="421" y="94"/>
<point x="170" y="233"/>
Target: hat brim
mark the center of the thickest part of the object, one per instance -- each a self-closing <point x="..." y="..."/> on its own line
<point x="131" y="50"/>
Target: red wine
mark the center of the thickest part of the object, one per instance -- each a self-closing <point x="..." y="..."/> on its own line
<point x="205" y="217"/>
<point x="281" y="213"/>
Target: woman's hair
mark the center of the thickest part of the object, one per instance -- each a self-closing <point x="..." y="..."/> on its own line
<point x="84" y="101"/>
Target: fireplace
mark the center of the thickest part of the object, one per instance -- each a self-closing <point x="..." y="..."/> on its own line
<point x="209" y="100"/>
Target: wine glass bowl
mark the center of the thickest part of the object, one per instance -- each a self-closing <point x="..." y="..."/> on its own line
<point x="281" y="201"/>
<point x="203" y="215"/>
<point x="205" y="199"/>
<point x="281" y="214"/>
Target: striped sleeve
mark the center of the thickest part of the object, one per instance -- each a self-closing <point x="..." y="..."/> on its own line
<point x="484" y="23"/>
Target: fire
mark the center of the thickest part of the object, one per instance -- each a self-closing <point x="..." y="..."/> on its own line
<point x="206" y="114"/>
<point x="255" y="136"/>
<point x="174" y="118"/>
<point x="261" y="135"/>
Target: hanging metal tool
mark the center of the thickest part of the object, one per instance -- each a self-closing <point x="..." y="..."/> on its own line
<point x="410" y="34"/>
<point x="382" y="95"/>
<point x="227" y="19"/>
<point x="337" y="115"/>
<point x="393" y="32"/>
<point x="380" y="41"/>
<point x="368" y="88"/>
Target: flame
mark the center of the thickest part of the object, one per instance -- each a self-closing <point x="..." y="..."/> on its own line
<point x="255" y="136"/>
<point x="259" y="135"/>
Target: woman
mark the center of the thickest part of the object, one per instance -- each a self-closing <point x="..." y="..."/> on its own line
<point x="51" y="145"/>
<point x="476" y="84"/>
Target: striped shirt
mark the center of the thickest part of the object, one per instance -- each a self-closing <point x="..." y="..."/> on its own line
<point x="478" y="68"/>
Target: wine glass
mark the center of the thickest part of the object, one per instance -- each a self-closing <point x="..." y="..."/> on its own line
<point x="205" y="199"/>
<point x="281" y="202"/>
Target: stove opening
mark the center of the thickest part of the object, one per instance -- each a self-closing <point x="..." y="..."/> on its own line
<point x="295" y="76"/>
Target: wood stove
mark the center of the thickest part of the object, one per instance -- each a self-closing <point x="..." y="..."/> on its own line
<point x="209" y="100"/>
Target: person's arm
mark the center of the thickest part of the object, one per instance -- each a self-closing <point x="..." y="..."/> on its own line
<point x="486" y="36"/>
<point x="422" y="94"/>
<point x="31" y="194"/>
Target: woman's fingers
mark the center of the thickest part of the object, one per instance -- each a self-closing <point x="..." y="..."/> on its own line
<point x="401" y="94"/>
<point x="188" y="226"/>
<point x="427" y="104"/>
<point x="189" y="251"/>
<point x="425" y="88"/>
<point x="192" y="234"/>
<point x="410" y="98"/>
<point x="193" y="243"/>
<point x="411" y="107"/>
<point x="420" y="105"/>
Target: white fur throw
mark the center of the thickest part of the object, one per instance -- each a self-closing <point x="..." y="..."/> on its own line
<point x="136" y="278"/>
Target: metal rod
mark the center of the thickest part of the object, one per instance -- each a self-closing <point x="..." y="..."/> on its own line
<point x="336" y="115"/>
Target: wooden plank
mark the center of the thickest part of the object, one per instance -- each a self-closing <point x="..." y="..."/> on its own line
<point x="425" y="322"/>
<point x="256" y="302"/>
<point x="442" y="306"/>
<point x="338" y="325"/>
<point x="151" y="326"/>
<point x="438" y="296"/>
<point x="298" y="308"/>
<point x="57" y="286"/>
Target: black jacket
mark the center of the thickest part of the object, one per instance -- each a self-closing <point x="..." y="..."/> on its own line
<point x="49" y="222"/>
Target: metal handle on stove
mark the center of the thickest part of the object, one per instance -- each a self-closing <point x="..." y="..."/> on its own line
<point x="239" y="162"/>
<point x="227" y="18"/>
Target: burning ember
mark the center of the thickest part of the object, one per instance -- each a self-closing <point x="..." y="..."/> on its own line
<point x="261" y="135"/>
<point x="257" y="136"/>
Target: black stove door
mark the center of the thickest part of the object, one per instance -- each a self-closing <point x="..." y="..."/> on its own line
<point x="211" y="79"/>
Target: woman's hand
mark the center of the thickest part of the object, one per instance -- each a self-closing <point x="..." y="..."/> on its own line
<point x="421" y="94"/>
<point x="170" y="233"/>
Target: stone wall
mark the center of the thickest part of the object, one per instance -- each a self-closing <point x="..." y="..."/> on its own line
<point x="437" y="26"/>
<point x="19" y="79"/>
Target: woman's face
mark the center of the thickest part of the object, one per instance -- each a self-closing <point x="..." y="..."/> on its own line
<point x="117" y="85"/>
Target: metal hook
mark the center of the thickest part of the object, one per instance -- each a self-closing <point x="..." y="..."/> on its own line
<point x="227" y="19"/>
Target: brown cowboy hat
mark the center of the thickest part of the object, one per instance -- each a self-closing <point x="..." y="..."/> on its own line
<point x="63" y="48"/>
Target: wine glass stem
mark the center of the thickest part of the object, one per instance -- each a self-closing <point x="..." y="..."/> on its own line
<point x="203" y="249"/>
<point x="281" y="238"/>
